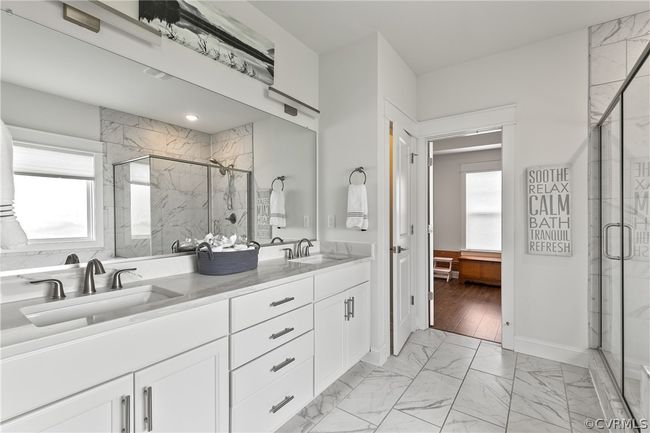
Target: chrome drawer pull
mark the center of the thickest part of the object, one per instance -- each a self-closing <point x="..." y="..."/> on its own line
<point x="352" y="307"/>
<point x="282" y="301"/>
<point x="281" y="333"/>
<point x="283" y="364"/>
<point x="148" y="409"/>
<point x="283" y="403"/>
<point x="126" y="414"/>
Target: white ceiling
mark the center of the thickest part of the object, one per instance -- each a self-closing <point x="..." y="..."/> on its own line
<point x="45" y="60"/>
<point x="434" y="34"/>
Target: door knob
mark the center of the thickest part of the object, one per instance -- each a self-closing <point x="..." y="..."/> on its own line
<point x="398" y="249"/>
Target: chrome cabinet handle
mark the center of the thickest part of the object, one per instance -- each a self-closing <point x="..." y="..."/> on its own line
<point x="281" y="301"/>
<point x="126" y="414"/>
<point x="283" y="403"/>
<point x="283" y="364"/>
<point x="606" y="228"/>
<point x="281" y="333"/>
<point x="148" y="416"/>
<point x="629" y="242"/>
<point x="352" y="307"/>
<point x="346" y="309"/>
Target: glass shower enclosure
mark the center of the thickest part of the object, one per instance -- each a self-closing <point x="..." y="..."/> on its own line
<point x="161" y="201"/>
<point x="625" y="239"/>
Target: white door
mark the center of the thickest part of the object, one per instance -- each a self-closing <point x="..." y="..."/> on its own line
<point x="402" y="312"/>
<point x="330" y="340"/>
<point x="105" y="408"/>
<point x="187" y="393"/>
<point x="359" y="322"/>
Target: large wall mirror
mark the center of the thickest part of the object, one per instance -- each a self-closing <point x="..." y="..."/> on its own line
<point x="113" y="159"/>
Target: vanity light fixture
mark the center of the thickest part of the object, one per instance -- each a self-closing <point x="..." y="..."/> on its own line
<point x="292" y="105"/>
<point x="191" y="117"/>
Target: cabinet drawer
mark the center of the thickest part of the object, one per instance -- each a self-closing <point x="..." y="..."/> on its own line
<point x="257" y="307"/>
<point x="250" y="343"/>
<point x="337" y="280"/>
<point x="277" y="403"/>
<point x="248" y="379"/>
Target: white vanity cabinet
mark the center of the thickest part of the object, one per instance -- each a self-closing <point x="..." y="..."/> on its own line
<point x="341" y="322"/>
<point x="272" y="355"/>
<point x="105" y="408"/>
<point x="187" y="393"/>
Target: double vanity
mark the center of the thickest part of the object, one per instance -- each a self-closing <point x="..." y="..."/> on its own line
<point x="240" y="353"/>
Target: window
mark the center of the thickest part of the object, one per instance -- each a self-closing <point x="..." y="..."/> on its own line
<point x="483" y="210"/>
<point x="58" y="189"/>
<point x="140" y="200"/>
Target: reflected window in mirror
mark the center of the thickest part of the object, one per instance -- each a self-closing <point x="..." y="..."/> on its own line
<point x="57" y="197"/>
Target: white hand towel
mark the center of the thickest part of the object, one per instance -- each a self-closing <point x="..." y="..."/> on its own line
<point x="278" y="217"/>
<point x="12" y="234"/>
<point x="357" y="207"/>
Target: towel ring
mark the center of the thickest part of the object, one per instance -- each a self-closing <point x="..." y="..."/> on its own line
<point x="358" y="170"/>
<point x="281" y="179"/>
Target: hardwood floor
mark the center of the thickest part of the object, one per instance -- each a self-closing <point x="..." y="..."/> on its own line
<point x="468" y="309"/>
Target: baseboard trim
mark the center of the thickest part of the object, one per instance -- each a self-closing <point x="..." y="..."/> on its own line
<point x="376" y="356"/>
<point x="556" y="352"/>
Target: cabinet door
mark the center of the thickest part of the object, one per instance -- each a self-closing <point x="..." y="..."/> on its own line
<point x="330" y="340"/>
<point x="186" y="393"/>
<point x="359" y="323"/>
<point x="105" y="408"/>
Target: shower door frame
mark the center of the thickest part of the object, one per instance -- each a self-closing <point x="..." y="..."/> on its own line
<point x="617" y="99"/>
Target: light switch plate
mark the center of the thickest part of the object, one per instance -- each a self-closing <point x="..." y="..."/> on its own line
<point x="331" y="221"/>
<point x="305" y="222"/>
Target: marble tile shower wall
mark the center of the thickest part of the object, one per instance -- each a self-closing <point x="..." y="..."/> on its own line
<point x="126" y="136"/>
<point x="614" y="48"/>
<point x="230" y="191"/>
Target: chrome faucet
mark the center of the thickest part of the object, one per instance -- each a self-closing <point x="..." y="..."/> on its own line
<point x="299" y="250"/>
<point x="94" y="267"/>
<point x="117" y="278"/>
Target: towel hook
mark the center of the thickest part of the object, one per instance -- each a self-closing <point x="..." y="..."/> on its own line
<point x="358" y="170"/>
<point x="281" y="179"/>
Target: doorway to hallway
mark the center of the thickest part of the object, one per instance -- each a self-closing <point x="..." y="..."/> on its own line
<point x="465" y="189"/>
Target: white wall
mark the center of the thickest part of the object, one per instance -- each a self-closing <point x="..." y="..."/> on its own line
<point x="548" y="83"/>
<point x="354" y="83"/>
<point x="296" y="67"/>
<point x="46" y="112"/>
<point x="448" y="195"/>
<point x="282" y="149"/>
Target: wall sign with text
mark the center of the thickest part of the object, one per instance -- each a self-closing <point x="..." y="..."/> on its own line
<point x="548" y="222"/>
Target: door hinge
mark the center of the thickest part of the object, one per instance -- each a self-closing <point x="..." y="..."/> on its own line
<point x="412" y="229"/>
<point x="413" y="155"/>
<point x="430" y="296"/>
<point x="412" y="300"/>
<point x="430" y="162"/>
<point x="429" y="229"/>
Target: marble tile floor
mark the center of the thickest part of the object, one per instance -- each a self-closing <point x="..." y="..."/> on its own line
<point x="448" y="383"/>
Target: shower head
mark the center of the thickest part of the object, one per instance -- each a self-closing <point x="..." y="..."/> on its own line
<point x="222" y="168"/>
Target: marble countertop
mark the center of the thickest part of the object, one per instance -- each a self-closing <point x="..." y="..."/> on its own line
<point x="18" y="335"/>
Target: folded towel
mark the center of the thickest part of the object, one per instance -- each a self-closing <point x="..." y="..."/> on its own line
<point x="12" y="234"/>
<point x="357" y="207"/>
<point x="278" y="217"/>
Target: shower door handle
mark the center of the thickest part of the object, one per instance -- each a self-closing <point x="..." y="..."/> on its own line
<point x="629" y="242"/>
<point x="606" y="241"/>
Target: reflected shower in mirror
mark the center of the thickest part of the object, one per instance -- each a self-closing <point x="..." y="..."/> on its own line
<point x="126" y="161"/>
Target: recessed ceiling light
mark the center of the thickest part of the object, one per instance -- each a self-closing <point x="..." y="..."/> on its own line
<point x="191" y="117"/>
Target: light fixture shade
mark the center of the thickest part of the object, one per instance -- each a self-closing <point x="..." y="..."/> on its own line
<point x="191" y="117"/>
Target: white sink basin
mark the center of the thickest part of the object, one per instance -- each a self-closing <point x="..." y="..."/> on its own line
<point x="316" y="259"/>
<point x="51" y="313"/>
